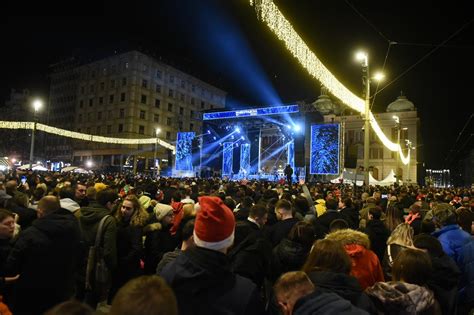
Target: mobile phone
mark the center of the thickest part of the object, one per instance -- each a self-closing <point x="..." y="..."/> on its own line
<point x="384" y="196"/>
<point x="23" y="179"/>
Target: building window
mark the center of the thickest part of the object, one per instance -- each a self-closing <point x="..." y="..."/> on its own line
<point x="156" y="118"/>
<point x="102" y="86"/>
<point x="212" y="106"/>
<point x="82" y="90"/>
<point x="91" y="89"/>
<point x="141" y="130"/>
<point x="158" y="88"/>
<point x="180" y="125"/>
<point x="101" y="100"/>
<point x="170" y="107"/>
<point x="109" y="129"/>
<point x="99" y="115"/>
<point x="142" y="114"/>
<point x="111" y="99"/>
<point x="182" y="97"/>
<point x="181" y="111"/>
<point x="120" y="128"/>
<point x="122" y="113"/>
<point x="182" y="84"/>
<point x="125" y="65"/>
<point x="171" y="78"/>
<point x="143" y="99"/>
<point x="98" y="130"/>
<point x="80" y="117"/>
<point x="168" y="121"/>
<point x="112" y="83"/>
<point x="124" y="81"/>
<point x="168" y="135"/>
<point x="158" y="74"/>
<point x="91" y="102"/>
<point x="202" y="104"/>
<point x="109" y="114"/>
<point x="191" y="127"/>
<point x="81" y="103"/>
<point x="89" y="116"/>
<point x="144" y="83"/>
<point x="170" y="93"/>
<point x="191" y="113"/>
<point x="193" y="88"/>
<point x="88" y="130"/>
<point x="122" y="97"/>
<point x="157" y="103"/>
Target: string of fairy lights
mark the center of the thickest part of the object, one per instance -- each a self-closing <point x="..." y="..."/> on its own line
<point x="269" y="13"/>
<point x="82" y="136"/>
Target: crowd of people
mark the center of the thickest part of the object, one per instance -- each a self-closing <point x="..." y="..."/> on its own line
<point x="211" y="246"/>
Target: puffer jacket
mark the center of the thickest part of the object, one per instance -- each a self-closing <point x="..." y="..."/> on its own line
<point x="366" y="266"/>
<point x="287" y="256"/>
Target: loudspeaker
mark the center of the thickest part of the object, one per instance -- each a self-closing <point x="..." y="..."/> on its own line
<point x="299" y="150"/>
<point x="195" y="151"/>
<point x="350" y="160"/>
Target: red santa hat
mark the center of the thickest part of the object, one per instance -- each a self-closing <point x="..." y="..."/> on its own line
<point x="214" y="224"/>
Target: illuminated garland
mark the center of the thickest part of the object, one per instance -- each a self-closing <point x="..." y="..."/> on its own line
<point x="81" y="136"/>
<point x="268" y="12"/>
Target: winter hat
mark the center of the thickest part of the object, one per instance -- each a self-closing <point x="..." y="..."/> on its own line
<point x="144" y="201"/>
<point x="100" y="186"/>
<point x="162" y="211"/>
<point x="214" y="225"/>
<point x="443" y="211"/>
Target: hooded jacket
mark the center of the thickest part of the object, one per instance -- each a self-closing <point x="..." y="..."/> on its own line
<point x="69" y="204"/>
<point x="365" y="264"/>
<point x="45" y="255"/>
<point x="324" y="303"/>
<point x="403" y="298"/>
<point x="204" y="284"/>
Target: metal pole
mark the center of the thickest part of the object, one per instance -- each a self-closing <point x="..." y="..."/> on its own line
<point x="398" y="154"/>
<point x="367" y="123"/>
<point x="32" y="147"/>
<point x="154" y="158"/>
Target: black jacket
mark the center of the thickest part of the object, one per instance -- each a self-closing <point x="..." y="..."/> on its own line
<point x="280" y="230"/>
<point x="378" y="235"/>
<point x="324" y="303"/>
<point x="287" y="256"/>
<point x="158" y="241"/>
<point x="45" y="255"/>
<point x="204" y="284"/>
<point x="351" y="215"/>
<point x="323" y="222"/>
<point x="346" y="286"/>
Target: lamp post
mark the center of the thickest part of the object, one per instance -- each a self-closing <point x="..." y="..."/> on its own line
<point x="157" y="131"/>
<point x="37" y="104"/>
<point x="397" y="125"/>
<point x="409" y="146"/>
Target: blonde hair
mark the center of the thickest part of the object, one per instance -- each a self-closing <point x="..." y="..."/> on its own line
<point x="139" y="215"/>
<point x="402" y="235"/>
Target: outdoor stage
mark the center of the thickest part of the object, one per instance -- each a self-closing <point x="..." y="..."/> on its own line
<point x="258" y="143"/>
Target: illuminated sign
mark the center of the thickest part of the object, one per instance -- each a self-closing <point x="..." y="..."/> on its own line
<point x="252" y="112"/>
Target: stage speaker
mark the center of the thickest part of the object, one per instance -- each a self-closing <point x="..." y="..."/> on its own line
<point x="195" y="151"/>
<point x="299" y="150"/>
<point x="350" y="160"/>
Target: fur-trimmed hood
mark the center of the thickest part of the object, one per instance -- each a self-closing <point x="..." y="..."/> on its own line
<point x="152" y="227"/>
<point x="348" y="237"/>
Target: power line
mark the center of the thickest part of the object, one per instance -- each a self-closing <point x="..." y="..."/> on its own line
<point x="459" y="136"/>
<point x="390" y="43"/>
<point x="428" y="54"/>
<point x="367" y="21"/>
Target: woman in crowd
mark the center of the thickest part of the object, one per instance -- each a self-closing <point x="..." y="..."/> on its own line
<point x="328" y="266"/>
<point x="394" y="216"/>
<point x="131" y="217"/>
<point x="400" y="239"/>
<point x="407" y="293"/>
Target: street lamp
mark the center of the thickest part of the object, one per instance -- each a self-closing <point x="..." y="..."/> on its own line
<point x="155" y="166"/>
<point x="410" y="147"/>
<point x="399" y="129"/>
<point x="37" y="104"/>
<point x="364" y="59"/>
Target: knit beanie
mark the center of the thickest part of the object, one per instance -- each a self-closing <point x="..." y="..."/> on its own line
<point x="162" y="211"/>
<point x="214" y="225"/>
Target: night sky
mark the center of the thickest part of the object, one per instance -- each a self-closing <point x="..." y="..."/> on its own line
<point x="223" y="43"/>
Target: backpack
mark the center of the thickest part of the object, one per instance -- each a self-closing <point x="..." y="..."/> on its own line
<point x="97" y="272"/>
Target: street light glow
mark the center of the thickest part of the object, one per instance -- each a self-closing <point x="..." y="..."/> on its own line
<point x="89" y="163"/>
<point x="361" y="56"/>
<point x="37" y="104"/>
<point x="396" y="118"/>
<point x="158" y="130"/>
<point x="379" y="76"/>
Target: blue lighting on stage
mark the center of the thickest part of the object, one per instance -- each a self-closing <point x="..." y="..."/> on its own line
<point x="184" y="156"/>
<point x="227" y="158"/>
<point x="291" y="154"/>
<point x="297" y="128"/>
<point x="237" y="129"/>
<point x="324" y="149"/>
<point x="252" y="112"/>
<point x="245" y="158"/>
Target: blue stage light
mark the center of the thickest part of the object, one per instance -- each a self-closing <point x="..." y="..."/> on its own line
<point x="297" y="128"/>
<point x="243" y="138"/>
<point x="214" y="138"/>
<point x="288" y="126"/>
<point x="237" y="129"/>
<point x="208" y="132"/>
